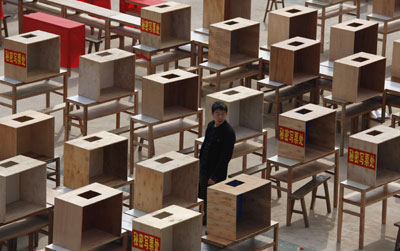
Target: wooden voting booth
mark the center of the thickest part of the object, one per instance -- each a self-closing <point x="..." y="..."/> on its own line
<point x="353" y="36"/>
<point x="167" y="179"/>
<point x="233" y="41"/>
<point x="170" y="228"/>
<point x="306" y="132"/>
<point x="31" y="56"/>
<point x="389" y="8"/>
<point x="165" y="25"/>
<point x="88" y="217"/>
<point x="238" y="207"/>
<point x="22" y="187"/>
<point x="101" y="157"/>
<point x="373" y="158"/>
<point x="358" y="77"/>
<point x="245" y="109"/>
<point x="294" y="61"/>
<point x="292" y="21"/>
<point x="106" y="74"/>
<point x="215" y="11"/>
<point x="396" y="61"/>
<point x="168" y="94"/>
<point x="28" y="133"/>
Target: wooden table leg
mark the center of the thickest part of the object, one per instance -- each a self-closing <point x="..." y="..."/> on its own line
<point x="340" y="214"/>
<point x="181" y="139"/>
<point x="342" y="129"/>
<point x="67" y="121"/>
<point x="384" y="210"/>
<point x="65" y="94"/>
<point x="131" y="146"/>
<point x="336" y="179"/>
<point x="50" y="228"/>
<point x="289" y="192"/>
<point x="276" y="237"/>
<point x="264" y="153"/>
<point x="131" y="193"/>
<point x="85" y="120"/>
<point x="14" y="100"/>
<point x="362" y="219"/>
<point x="276" y="108"/>
<point x="151" y="150"/>
<point x="323" y="28"/>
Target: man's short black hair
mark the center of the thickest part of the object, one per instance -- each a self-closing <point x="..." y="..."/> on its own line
<point x="219" y="106"/>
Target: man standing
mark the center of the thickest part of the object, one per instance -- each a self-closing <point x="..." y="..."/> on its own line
<point x="216" y="151"/>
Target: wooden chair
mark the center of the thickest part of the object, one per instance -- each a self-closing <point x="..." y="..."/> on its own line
<point x="272" y="2"/>
<point x="304" y="190"/>
<point x="397" y="244"/>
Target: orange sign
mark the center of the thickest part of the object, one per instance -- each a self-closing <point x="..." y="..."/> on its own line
<point x="291" y="136"/>
<point x="145" y="241"/>
<point x="15" y="58"/>
<point x="361" y="158"/>
<point x="150" y="26"/>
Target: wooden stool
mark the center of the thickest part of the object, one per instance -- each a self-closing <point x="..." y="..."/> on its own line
<point x="272" y="2"/>
<point x="395" y="117"/>
<point x="300" y="193"/>
<point x="93" y="42"/>
<point x="397" y="244"/>
<point x="5" y="28"/>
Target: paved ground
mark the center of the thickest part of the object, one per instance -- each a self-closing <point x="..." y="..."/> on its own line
<point x="322" y="232"/>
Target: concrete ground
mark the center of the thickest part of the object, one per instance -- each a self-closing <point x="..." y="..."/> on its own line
<point x="321" y="235"/>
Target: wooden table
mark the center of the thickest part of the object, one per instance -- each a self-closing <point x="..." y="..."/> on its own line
<point x="329" y="10"/>
<point x="249" y="242"/>
<point x="176" y="123"/>
<point x="35" y="88"/>
<point x="352" y="113"/>
<point x="71" y="9"/>
<point x="386" y="29"/>
<point x="228" y="74"/>
<point x="362" y="197"/>
<point x="109" y="104"/>
<point x="148" y="53"/>
<point x="244" y="145"/>
<point x="22" y="225"/>
<point x="297" y="171"/>
<point x="201" y="42"/>
<point x="391" y="92"/>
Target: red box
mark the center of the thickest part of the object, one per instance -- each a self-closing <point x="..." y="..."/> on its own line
<point x="72" y="35"/>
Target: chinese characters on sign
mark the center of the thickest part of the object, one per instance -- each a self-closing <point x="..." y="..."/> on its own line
<point x="291" y="136"/>
<point x="150" y="26"/>
<point x="145" y="241"/>
<point x="361" y="158"/>
<point x="15" y="58"/>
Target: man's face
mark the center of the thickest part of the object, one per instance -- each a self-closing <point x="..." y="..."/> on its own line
<point x="219" y="117"/>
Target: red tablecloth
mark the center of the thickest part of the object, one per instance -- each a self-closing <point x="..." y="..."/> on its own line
<point x="1" y="9"/>
<point x="72" y="35"/>
<point x="100" y="3"/>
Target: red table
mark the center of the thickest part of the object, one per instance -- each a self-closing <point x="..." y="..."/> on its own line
<point x="134" y="6"/>
<point x="101" y="3"/>
<point x="72" y="35"/>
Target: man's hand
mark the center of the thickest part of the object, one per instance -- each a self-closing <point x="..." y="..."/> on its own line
<point x="211" y="182"/>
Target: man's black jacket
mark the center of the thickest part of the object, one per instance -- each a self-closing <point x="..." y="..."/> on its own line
<point x="216" y="151"/>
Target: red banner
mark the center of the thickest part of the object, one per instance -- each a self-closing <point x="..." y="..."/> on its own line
<point x="145" y="241"/>
<point x="361" y="158"/>
<point x="15" y="58"/>
<point x="291" y="136"/>
<point x="150" y="26"/>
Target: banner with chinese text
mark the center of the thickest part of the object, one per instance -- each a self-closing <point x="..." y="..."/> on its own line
<point x="15" y="58"/>
<point x="150" y="26"/>
<point x="361" y="158"/>
<point x="145" y="241"/>
<point x="291" y="136"/>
